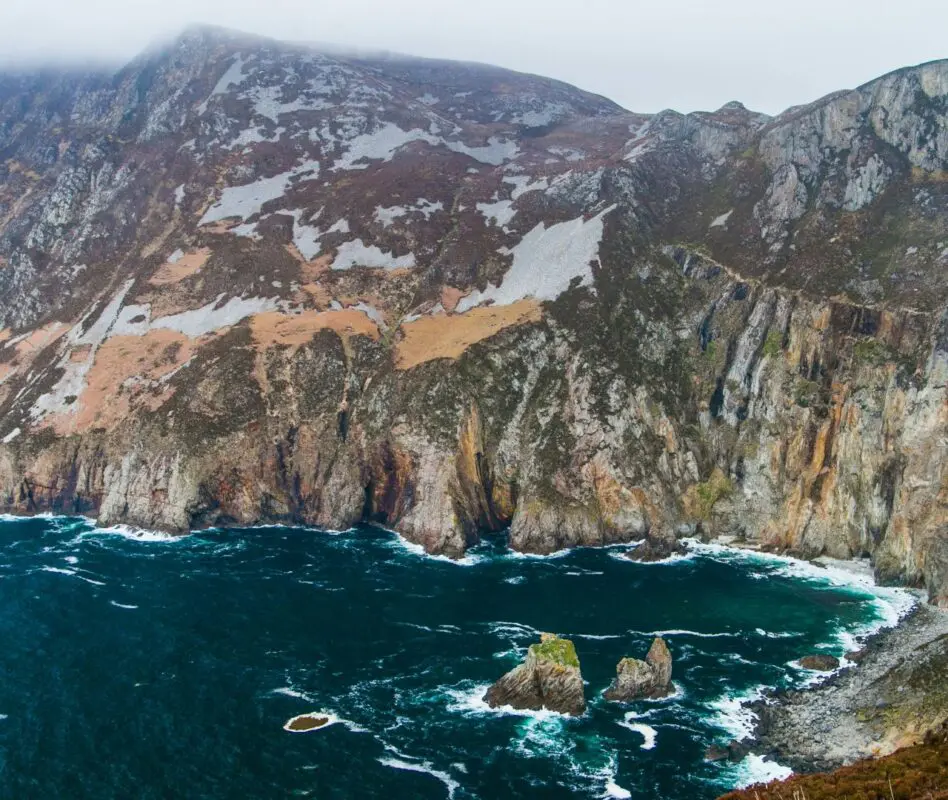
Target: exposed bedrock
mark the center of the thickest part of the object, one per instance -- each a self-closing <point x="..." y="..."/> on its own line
<point x="456" y="300"/>
<point x="806" y="427"/>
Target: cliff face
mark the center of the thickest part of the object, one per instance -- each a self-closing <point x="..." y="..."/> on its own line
<point x="244" y="282"/>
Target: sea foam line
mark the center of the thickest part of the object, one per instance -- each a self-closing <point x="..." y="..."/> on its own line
<point x="424" y="767"/>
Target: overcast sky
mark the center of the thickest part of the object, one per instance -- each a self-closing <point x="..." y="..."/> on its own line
<point x="681" y="54"/>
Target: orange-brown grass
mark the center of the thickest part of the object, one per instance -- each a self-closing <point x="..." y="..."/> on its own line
<point x="184" y="267"/>
<point x="102" y="404"/>
<point x="443" y="336"/>
<point x="293" y="330"/>
<point x="915" y="773"/>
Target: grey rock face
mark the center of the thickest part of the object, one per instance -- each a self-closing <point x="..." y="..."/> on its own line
<point x="549" y="678"/>
<point x="636" y="679"/>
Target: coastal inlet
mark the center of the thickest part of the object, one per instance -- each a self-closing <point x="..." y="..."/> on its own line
<point x="280" y="662"/>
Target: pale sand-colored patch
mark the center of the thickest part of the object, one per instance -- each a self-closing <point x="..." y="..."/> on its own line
<point x="445" y="336"/>
<point x="5" y="334"/>
<point x="143" y="359"/>
<point x="80" y="354"/>
<point x="275" y="327"/>
<point x="183" y="268"/>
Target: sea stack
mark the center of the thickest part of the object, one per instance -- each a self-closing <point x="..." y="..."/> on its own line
<point x="636" y="679"/>
<point x="548" y="678"/>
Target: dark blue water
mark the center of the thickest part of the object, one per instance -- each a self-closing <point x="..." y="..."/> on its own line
<point x="157" y="669"/>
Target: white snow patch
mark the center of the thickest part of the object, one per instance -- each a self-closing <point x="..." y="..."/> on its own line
<point x="546" y="262"/>
<point x="380" y="145"/>
<point x="495" y="152"/>
<point x="523" y="184"/>
<point x="721" y="222"/>
<point x="233" y="76"/>
<point x="247" y="200"/>
<point x="501" y="212"/>
<point x="179" y="195"/>
<point x="429" y="99"/>
<point x="387" y="215"/>
<point x="11" y="436"/>
<point x="357" y="254"/>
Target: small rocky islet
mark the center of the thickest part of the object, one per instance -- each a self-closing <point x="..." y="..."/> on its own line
<point x="550" y="678"/>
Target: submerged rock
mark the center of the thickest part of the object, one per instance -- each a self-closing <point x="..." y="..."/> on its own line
<point x="820" y="662"/>
<point x="548" y="678"/>
<point x="636" y="679"/>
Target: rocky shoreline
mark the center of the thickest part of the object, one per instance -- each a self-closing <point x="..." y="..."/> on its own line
<point x="891" y="698"/>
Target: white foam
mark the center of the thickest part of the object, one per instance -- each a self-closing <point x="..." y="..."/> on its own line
<point x="73" y="573"/>
<point x="288" y="691"/>
<point x="467" y="699"/>
<point x="332" y="719"/>
<point x="755" y="769"/>
<point x="135" y="534"/>
<point x="614" y="790"/>
<point x="122" y="605"/>
<point x="424" y="767"/>
<point x="647" y="732"/>
<point x="417" y="550"/>
<point x="733" y="716"/>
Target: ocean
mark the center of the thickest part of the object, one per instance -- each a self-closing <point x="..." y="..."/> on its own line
<point x="138" y="665"/>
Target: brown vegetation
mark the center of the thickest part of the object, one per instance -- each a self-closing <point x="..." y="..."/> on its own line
<point x="915" y="773"/>
<point x="445" y="336"/>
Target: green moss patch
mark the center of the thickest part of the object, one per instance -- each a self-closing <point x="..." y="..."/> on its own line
<point x="559" y="651"/>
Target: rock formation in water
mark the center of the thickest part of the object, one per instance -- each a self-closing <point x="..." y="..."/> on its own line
<point x="636" y="679"/>
<point x="657" y="546"/>
<point x="247" y="282"/>
<point x="548" y="678"/>
<point x="820" y="662"/>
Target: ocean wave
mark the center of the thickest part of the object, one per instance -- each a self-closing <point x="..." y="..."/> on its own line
<point x="289" y="691"/>
<point x="468" y="699"/>
<point x="136" y="534"/>
<point x="122" y="605"/>
<point x="507" y="629"/>
<point x="683" y="632"/>
<point x="732" y="715"/>
<point x="401" y="543"/>
<point x="515" y="579"/>
<point x="73" y="573"/>
<point x="408" y="764"/>
<point x="647" y="732"/>
<point x="755" y="769"/>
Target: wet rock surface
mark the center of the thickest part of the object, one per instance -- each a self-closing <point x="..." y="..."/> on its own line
<point x="894" y="698"/>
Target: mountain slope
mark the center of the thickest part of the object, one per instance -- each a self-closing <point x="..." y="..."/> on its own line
<point x="250" y="282"/>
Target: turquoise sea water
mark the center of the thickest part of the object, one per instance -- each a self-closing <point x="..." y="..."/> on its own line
<point x="138" y="666"/>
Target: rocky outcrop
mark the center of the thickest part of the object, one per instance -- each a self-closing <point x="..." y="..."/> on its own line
<point x="657" y="548"/>
<point x="636" y="679"/>
<point x="548" y="678"/>
<point x="820" y="662"/>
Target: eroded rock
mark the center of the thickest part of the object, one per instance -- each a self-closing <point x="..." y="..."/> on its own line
<point x="549" y="678"/>
<point x="636" y="679"/>
<point x="820" y="662"/>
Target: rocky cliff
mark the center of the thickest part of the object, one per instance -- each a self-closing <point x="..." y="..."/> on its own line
<point x="249" y="282"/>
